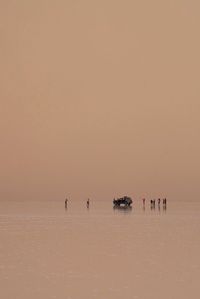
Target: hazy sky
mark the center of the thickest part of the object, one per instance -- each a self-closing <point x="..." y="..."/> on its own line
<point x="99" y="99"/>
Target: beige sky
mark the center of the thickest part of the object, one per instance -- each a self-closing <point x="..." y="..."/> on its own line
<point x="99" y="99"/>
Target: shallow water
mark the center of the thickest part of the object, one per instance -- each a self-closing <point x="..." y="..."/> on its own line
<point x="47" y="251"/>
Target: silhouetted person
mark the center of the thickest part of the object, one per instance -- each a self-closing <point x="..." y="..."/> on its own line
<point x="88" y="203"/>
<point x="143" y="200"/>
<point x="159" y="201"/>
<point x="164" y="201"/>
<point x="153" y="204"/>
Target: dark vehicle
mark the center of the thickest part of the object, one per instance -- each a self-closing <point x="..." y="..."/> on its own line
<point x="123" y="201"/>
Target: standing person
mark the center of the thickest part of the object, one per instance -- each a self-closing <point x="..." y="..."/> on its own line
<point x="151" y="204"/>
<point x="88" y="203"/>
<point x="153" y="201"/>
<point x="158" y="201"/>
<point x="164" y="204"/>
<point x="143" y="200"/>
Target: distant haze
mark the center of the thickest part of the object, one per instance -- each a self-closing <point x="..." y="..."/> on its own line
<point x="99" y="99"/>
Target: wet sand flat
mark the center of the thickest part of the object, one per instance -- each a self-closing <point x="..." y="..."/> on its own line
<point x="47" y="251"/>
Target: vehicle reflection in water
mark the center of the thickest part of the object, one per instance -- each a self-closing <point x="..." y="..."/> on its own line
<point x="122" y="209"/>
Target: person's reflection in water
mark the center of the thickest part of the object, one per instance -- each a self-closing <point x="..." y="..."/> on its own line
<point x="164" y="208"/>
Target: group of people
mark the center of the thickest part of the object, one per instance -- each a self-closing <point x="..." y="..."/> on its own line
<point x="153" y="202"/>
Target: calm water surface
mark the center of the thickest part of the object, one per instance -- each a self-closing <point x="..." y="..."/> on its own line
<point x="47" y="251"/>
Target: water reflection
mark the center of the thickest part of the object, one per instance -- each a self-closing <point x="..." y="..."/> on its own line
<point x="124" y="209"/>
<point x="164" y="208"/>
<point x="145" y="209"/>
<point x="152" y="208"/>
<point x="159" y="208"/>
